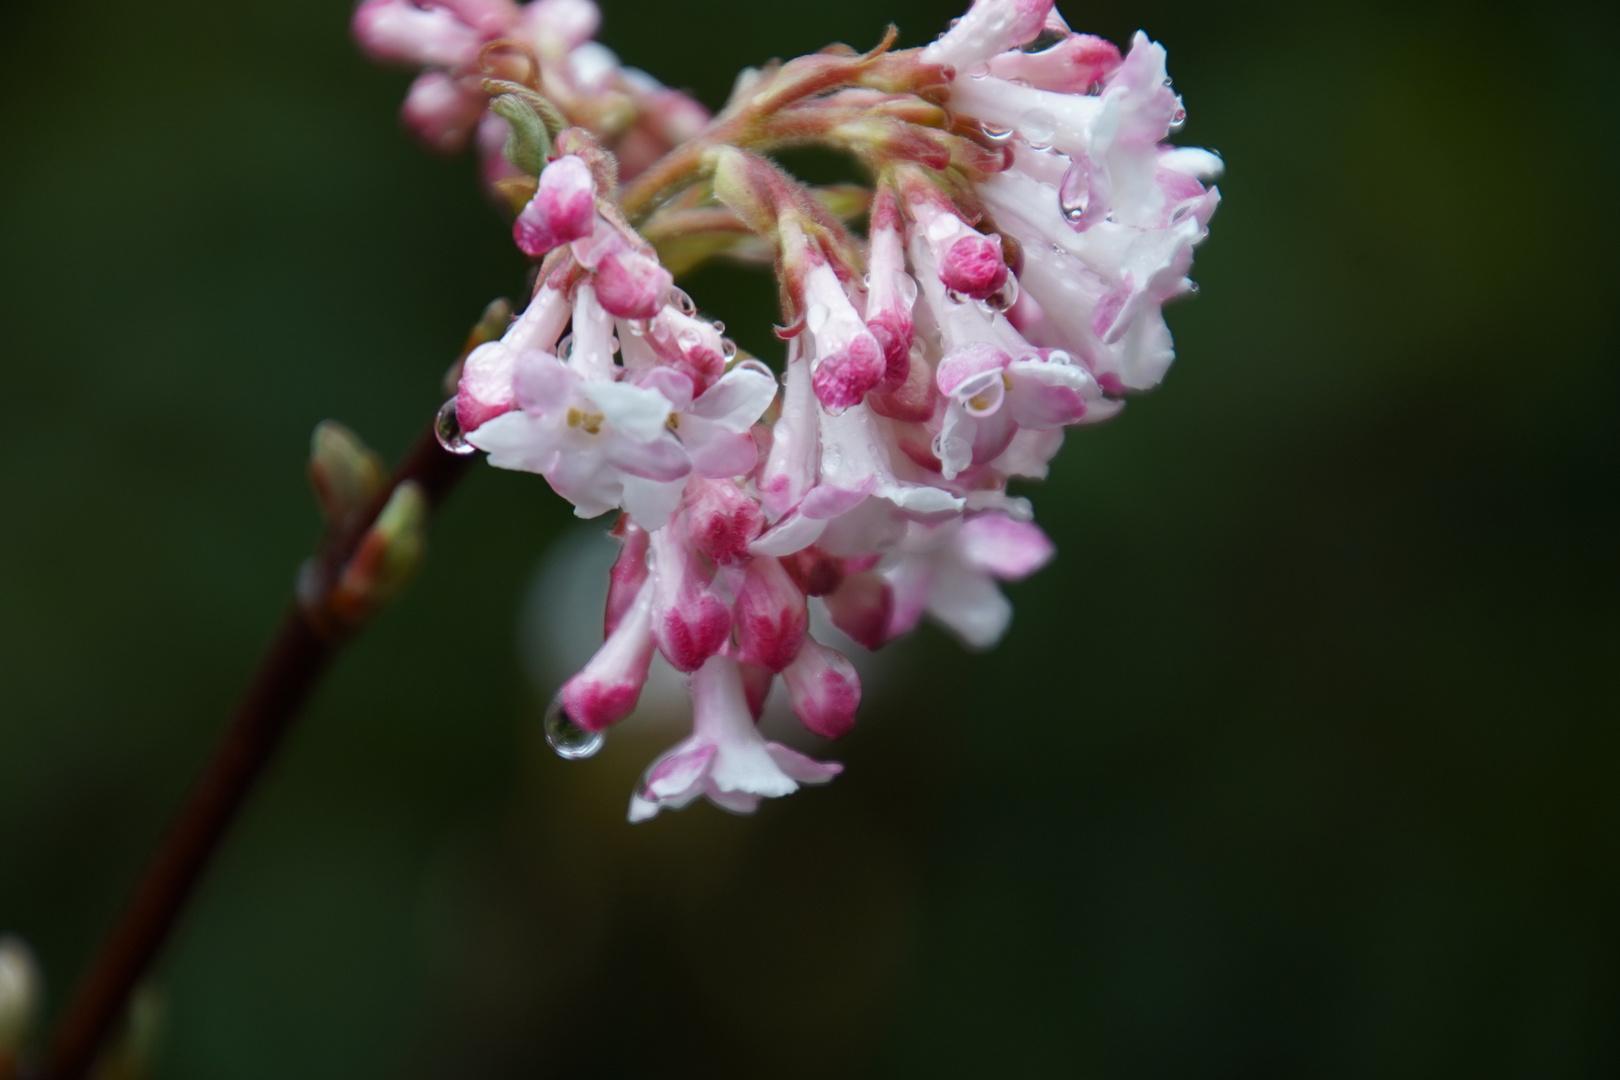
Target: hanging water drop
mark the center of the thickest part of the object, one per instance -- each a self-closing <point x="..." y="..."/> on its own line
<point x="728" y="349"/>
<point x="719" y="327"/>
<point x="1002" y="299"/>
<point x="565" y="347"/>
<point x="995" y="132"/>
<point x="682" y="301"/>
<point x="447" y="429"/>
<point x="566" y="737"/>
<point x="1178" y="120"/>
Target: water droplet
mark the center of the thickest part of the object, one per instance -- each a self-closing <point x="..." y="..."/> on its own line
<point x="1037" y="127"/>
<point x="613" y="343"/>
<point x="978" y="71"/>
<point x="719" y="327"/>
<point x="954" y="21"/>
<point x="682" y="301"/>
<point x="1167" y="81"/>
<point x="1178" y="120"/>
<point x="1073" y="203"/>
<point x="1095" y="88"/>
<point x="1058" y="356"/>
<point x="956" y="297"/>
<point x="565" y="347"/>
<point x="1192" y="286"/>
<point x="995" y="132"/>
<point x="638" y="327"/>
<point x="1180" y="212"/>
<point x="566" y="737"/>
<point x="728" y="349"/>
<point x="447" y="429"/>
<point x="1002" y="299"/>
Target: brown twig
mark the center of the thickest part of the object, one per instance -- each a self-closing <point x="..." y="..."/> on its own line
<point x="287" y="674"/>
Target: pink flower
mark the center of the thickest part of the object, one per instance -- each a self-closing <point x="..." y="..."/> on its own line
<point x="726" y="759"/>
<point x="950" y="572"/>
<point x="1013" y="287"/>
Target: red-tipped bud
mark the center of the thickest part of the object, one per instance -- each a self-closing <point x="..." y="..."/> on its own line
<point x="606" y="690"/>
<point x="690" y="622"/>
<point x="631" y="284"/>
<point x="814" y="571"/>
<point x="824" y="689"/>
<point x="861" y="607"/>
<point x="974" y="266"/>
<point x="722" y="520"/>
<point x="563" y="208"/>
<point x="771" y="619"/>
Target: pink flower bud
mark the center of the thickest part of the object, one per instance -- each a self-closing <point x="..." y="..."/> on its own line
<point x="1076" y="65"/>
<point x="814" y="571"/>
<point x="440" y="112"/>
<point x="842" y="378"/>
<point x="771" y="617"/>
<point x="722" y="520"/>
<point x="631" y="285"/>
<point x="824" y="689"/>
<point x="606" y="690"/>
<point x="485" y="390"/>
<point x="848" y="361"/>
<point x="563" y="208"/>
<point x="629" y="572"/>
<point x="688" y="344"/>
<point x="690" y="622"/>
<point x="973" y="266"/>
<point x="861" y="607"/>
<point x="913" y="401"/>
<point x="401" y="31"/>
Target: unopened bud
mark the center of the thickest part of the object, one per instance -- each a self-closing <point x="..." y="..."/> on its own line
<point x="346" y="473"/>
<point x="387" y="558"/>
<point x="131" y="1054"/>
<point x="532" y="122"/>
<point x="19" y="995"/>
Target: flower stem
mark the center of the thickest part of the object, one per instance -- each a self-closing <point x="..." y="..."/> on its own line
<point x="287" y="674"/>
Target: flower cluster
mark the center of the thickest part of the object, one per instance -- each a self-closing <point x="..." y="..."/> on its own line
<point x="1026" y="223"/>
<point x="461" y="43"/>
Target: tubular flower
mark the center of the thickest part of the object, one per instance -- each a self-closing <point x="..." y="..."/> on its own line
<point x="1027" y="221"/>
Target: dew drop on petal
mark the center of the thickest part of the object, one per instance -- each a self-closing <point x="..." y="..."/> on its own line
<point x="719" y="327"/>
<point x="978" y="71"/>
<point x="447" y="429"/>
<point x="1003" y="298"/>
<point x="565" y="347"/>
<point x="682" y="301"/>
<point x="566" y="737"/>
<point x="1178" y="120"/>
<point x="639" y="327"/>
<point x="728" y="348"/>
<point x="995" y="132"/>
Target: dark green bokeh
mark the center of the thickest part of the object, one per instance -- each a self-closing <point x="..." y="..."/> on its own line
<point x="1301" y="760"/>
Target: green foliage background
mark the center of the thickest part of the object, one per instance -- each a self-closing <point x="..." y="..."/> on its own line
<point x="1303" y="759"/>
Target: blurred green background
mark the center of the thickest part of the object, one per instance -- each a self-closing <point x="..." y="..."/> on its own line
<point x="1303" y="759"/>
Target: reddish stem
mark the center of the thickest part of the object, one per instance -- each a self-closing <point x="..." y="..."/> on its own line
<point x="287" y="674"/>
